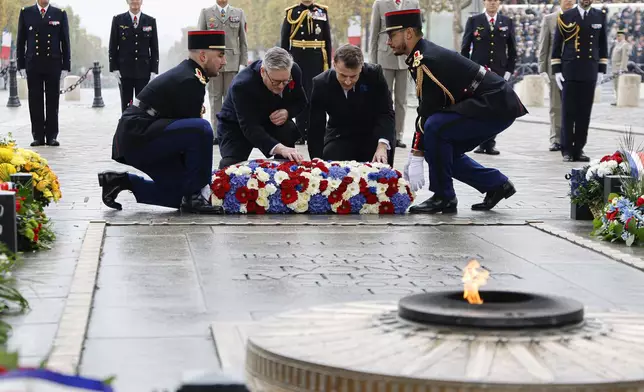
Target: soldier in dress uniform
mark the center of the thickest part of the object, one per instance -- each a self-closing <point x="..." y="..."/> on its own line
<point x="164" y="135"/>
<point x="306" y="34"/>
<point x="491" y="37"/>
<point x="258" y="110"/>
<point x="43" y="50"/>
<point x="619" y="59"/>
<point x="133" y="50"/>
<point x="546" y="37"/>
<point x="579" y="60"/>
<point x="461" y="104"/>
<point x="361" y="118"/>
<point x="232" y="20"/>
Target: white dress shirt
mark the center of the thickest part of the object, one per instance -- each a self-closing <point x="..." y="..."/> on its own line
<point x="46" y="8"/>
<point x="581" y="11"/>
<point x="488" y="16"/>
<point x="138" y="17"/>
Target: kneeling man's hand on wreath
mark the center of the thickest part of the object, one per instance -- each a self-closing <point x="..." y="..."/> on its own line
<point x="289" y="153"/>
<point x="279" y="117"/>
<point x="415" y="171"/>
<point x="381" y="153"/>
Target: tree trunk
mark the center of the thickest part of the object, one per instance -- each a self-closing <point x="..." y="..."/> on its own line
<point x="457" y="27"/>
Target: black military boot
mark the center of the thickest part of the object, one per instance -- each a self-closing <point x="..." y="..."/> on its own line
<point x="434" y="205"/>
<point x="197" y="204"/>
<point x="113" y="183"/>
<point x="492" y="198"/>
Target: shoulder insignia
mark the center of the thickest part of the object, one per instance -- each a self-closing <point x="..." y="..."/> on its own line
<point x="325" y="7"/>
<point x="290" y="8"/>
<point x="199" y="76"/>
<point x="418" y="57"/>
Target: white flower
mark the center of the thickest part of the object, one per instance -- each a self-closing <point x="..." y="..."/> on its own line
<point x="383" y="197"/>
<point x="353" y="189"/>
<point x="300" y="205"/>
<point x="243" y="170"/>
<point x="252" y="184"/>
<point x="334" y="206"/>
<point x="271" y="189"/>
<point x="230" y="170"/>
<point x="303" y="197"/>
<point x="262" y="175"/>
<point x="280" y="176"/>
<point x="624" y="167"/>
<point x="381" y="188"/>
<point x="243" y="209"/>
<point x="314" y="186"/>
<point x="316" y="171"/>
<point x="370" y="209"/>
<point x="262" y="201"/>
<point x="216" y="202"/>
<point x="334" y="184"/>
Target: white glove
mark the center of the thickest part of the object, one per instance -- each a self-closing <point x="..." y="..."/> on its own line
<point x="559" y="79"/>
<point x="21" y="73"/>
<point x="241" y="67"/>
<point x="600" y="77"/>
<point x="416" y="172"/>
<point x="545" y="77"/>
<point x="117" y="74"/>
<point x="63" y="74"/>
<point x="507" y="76"/>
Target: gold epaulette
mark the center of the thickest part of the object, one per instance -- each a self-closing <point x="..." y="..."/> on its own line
<point x="571" y="29"/>
<point x="324" y="7"/>
<point x="290" y="8"/>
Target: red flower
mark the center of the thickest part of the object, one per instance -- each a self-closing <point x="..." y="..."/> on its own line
<point x="383" y="181"/>
<point x="260" y="210"/>
<point x="220" y="187"/>
<point x="386" y="207"/>
<point x="242" y="194"/>
<point x="251" y="207"/>
<point x="323" y="185"/>
<point x="289" y="184"/>
<point x="253" y="194"/>
<point x="347" y="180"/>
<point x="335" y="197"/>
<point x="35" y="238"/>
<point x="392" y="190"/>
<point x="289" y="195"/>
<point x="627" y="222"/>
<point x="371" y="198"/>
<point x="640" y="201"/>
<point x="291" y="85"/>
<point x="4" y="186"/>
<point x="345" y="208"/>
<point x="18" y="205"/>
<point x="612" y="215"/>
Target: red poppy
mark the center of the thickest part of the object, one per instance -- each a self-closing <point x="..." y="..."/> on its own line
<point x="371" y="198"/>
<point x="392" y="190"/>
<point x="220" y="187"/>
<point x="253" y="194"/>
<point x="335" y="197"/>
<point x="291" y="85"/>
<point x="345" y="208"/>
<point x="640" y="201"/>
<point x="289" y="195"/>
<point x="251" y="207"/>
<point x="242" y="194"/>
<point x="347" y="180"/>
<point x="612" y="215"/>
<point x="386" y="207"/>
<point x="323" y="185"/>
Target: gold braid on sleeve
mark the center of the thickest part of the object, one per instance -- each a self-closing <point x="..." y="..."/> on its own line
<point x="296" y="23"/>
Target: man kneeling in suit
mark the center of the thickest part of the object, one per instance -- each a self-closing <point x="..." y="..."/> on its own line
<point x="258" y="109"/>
<point x="361" y="124"/>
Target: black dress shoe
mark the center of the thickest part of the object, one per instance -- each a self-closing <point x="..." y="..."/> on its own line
<point x="567" y="158"/>
<point x="37" y="143"/>
<point x="197" y="204"/>
<point x="435" y="205"/>
<point x="479" y="150"/>
<point x="581" y="158"/>
<point x="492" y="151"/>
<point x="400" y="144"/>
<point x="113" y="183"/>
<point x="492" y="198"/>
<point x="555" y="147"/>
<point x="53" y="143"/>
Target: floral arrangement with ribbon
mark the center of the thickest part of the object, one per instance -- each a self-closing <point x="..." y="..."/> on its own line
<point x="315" y="187"/>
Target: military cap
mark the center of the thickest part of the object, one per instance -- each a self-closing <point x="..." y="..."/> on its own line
<point x="396" y="20"/>
<point x="207" y="39"/>
<point x="621" y="31"/>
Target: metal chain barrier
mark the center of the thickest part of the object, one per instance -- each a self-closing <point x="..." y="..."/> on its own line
<point x="79" y="81"/>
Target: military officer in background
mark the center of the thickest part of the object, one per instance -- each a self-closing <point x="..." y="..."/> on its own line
<point x="579" y="60"/>
<point x="491" y="38"/>
<point x="133" y="50"/>
<point x="619" y="59"/>
<point x="164" y="135"/>
<point x="394" y="67"/>
<point x="222" y="16"/>
<point x="306" y="34"/>
<point x="546" y="37"/>
<point x="43" y="50"/>
<point x="460" y="104"/>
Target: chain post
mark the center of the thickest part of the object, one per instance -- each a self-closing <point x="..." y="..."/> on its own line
<point x="98" y="99"/>
<point x="13" y="101"/>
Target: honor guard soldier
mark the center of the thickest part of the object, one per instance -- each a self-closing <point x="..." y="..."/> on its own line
<point x="134" y="51"/>
<point x="233" y="21"/>
<point x="619" y="59"/>
<point x="43" y="50"/>
<point x="491" y="37"/>
<point x="306" y="34"/>
<point x="164" y="135"/>
<point x="461" y="104"/>
<point x="579" y="60"/>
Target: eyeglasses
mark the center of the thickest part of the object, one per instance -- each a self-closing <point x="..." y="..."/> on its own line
<point x="277" y="83"/>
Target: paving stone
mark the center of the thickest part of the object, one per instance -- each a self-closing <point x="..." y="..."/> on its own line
<point x="41" y="311"/>
<point x="33" y="340"/>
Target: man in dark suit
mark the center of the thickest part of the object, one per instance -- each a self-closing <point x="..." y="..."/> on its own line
<point x="356" y="96"/>
<point x="258" y="109"/>
<point x="134" y="51"/>
<point x="493" y="45"/>
<point x="164" y="135"/>
<point x="461" y="104"/>
<point x="579" y="60"/>
<point x="43" y="49"/>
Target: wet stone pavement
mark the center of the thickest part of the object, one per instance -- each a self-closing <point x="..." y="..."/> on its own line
<point x="165" y="277"/>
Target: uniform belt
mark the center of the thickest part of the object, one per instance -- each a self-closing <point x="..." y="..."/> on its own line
<point x="145" y="107"/>
<point x="477" y="79"/>
<point x="312" y="45"/>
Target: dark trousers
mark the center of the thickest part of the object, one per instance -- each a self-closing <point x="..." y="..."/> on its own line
<point x="179" y="162"/>
<point x="360" y="149"/>
<point x="44" y="120"/>
<point x="312" y="64"/>
<point x="238" y="149"/>
<point x="448" y="136"/>
<point x="577" y="103"/>
<point x="130" y="88"/>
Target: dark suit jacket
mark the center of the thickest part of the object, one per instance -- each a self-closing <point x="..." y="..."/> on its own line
<point x="493" y="48"/>
<point x="43" y="43"/>
<point x="249" y="103"/>
<point x="580" y="52"/>
<point x="366" y="112"/>
<point x="134" y="52"/>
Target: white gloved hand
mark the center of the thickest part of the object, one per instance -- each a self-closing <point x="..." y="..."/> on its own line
<point x="416" y="172"/>
<point x="21" y="73"/>
<point x="507" y="76"/>
<point x="545" y="77"/>
<point x="559" y="79"/>
<point x="117" y="74"/>
<point x="63" y="74"/>
<point x="600" y="78"/>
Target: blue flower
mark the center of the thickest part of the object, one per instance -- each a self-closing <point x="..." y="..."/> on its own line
<point x="276" y="205"/>
<point x="401" y="202"/>
<point x="253" y="165"/>
<point x="237" y="182"/>
<point x="337" y="172"/>
<point x="357" y="202"/>
<point x="319" y="204"/>
<point x="373" y="190"/>
<point x="373" y="176"/>
<point x="231" y="204"/>
<point x="388" y="173"/>
<point x="271" y="173"/>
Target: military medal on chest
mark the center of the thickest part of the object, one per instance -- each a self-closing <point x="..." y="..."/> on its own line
<point x="318" y="30"/>
<point x="200" y="76"/>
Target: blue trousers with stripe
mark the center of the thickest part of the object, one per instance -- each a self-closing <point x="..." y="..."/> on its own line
<point x="179" y="162"/>
<point x="448" y="136"/>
